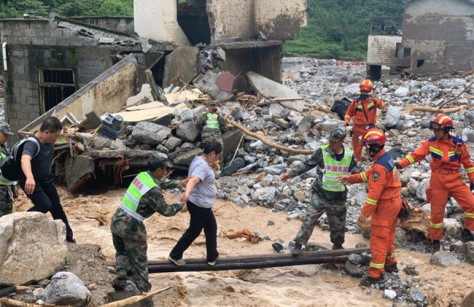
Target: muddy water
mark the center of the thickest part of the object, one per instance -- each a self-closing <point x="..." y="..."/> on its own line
<point x="307" y="285"/>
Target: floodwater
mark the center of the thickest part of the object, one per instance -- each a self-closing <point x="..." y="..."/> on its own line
<point x="305" y="285"/>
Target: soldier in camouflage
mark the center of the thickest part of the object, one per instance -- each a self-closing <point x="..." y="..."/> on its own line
<point x="212" y="124"/>
<point x="329" y="195"/>
<point x="7" y="187"/>
<point x="142" y="199"/>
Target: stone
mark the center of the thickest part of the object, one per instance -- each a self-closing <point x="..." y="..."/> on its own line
<point x="444" y="259"/>
<point x="353" y="269"/>
<point x="187" y="131"/>
<point x="172" y="142"/>
<point x="410" y="269"/>
<point x="417" y="296"/>
<point x="451" y="227"/>
<point x="468" y="300"/>
<point x="389" y="294"/>
<point x="300" y="195"/>
<point x="150" y="133"/>
<point x="421" y="189"/>
<point x="392" y="117"/>
<point x="355" y="259"/>
<point x="468" y="249"/>
<point x="67" y="289"/>
<point x="24" y="257"/>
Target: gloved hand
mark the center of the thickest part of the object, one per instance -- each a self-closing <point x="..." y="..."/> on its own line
<point x="472" y="186"/>
<point x="397" y="165"/>
<point x="346" y="124"/>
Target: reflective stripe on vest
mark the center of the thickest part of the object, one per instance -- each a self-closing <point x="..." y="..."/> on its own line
<point x="139" y="186"/>
<point x="211" y="121"/>
<point x="4" y="181"/>
<point x="334" y="168"/>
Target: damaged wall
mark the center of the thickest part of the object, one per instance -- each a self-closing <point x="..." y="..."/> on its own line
<point x="440" y="34"/>
<point x="106" y="93"/>
<point x="36" y="45"/>
<point x="382" y="49"/>
<point x="278" y="19"/>
<point x="158" y="20"/>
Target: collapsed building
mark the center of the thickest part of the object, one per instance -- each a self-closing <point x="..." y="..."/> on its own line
<point x="435" y="36"/>
<point x="82" y="70"/>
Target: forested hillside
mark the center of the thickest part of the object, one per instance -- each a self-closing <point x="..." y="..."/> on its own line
<point x="339" y="28"/>
<point x="336" y="28"/>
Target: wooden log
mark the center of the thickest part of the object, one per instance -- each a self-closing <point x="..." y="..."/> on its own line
<point x="256" y="261"/>
<point x="8" y="302"/>
<point x="135" y="299"/>
<point x="268" y="142"/>
<point x="413" y="108"/>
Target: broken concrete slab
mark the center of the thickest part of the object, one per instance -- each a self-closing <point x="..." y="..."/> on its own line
<point x="231" y="140"/>
<point x="142" y="97"/>
<point x="92" y="121"/>
<point x="148" y="112"/>
<point x="182" y="96"/>
<point x="76" y="168"/>
<point x="24" y="257"/>
<point x="185" y="158"/>
<point x="270" y="88"/>
<point x="207" y="83"/>
<point x="181" y="66"/>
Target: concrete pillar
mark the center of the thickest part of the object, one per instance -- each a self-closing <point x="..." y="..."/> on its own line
<point x="158" y="20"/>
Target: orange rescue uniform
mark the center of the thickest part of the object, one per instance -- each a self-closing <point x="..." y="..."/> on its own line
<point x="383" y="203"/>
<point x="446" y="159"/>
<point x="364" y="112"/>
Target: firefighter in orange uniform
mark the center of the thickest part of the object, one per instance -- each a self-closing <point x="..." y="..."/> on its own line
<point x="447" y="154"/>
<point x="383" y="203"/>
<point x="364" y="112"/>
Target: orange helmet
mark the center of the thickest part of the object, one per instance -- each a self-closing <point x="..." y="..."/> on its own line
<point x="374" y="136"/>
<point x="366" y="85"/>
<point x="442" y="121"/>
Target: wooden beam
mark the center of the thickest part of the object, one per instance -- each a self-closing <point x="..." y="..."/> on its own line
<point x="256" y="261"/>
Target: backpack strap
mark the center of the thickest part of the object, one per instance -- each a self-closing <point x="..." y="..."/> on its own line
<point x="17" y="146"/>
<point x="38" y="146"/>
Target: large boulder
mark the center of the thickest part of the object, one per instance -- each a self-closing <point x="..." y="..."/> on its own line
<point x="32" y="247"/>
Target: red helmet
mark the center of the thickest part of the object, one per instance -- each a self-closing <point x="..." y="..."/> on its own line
<point x="366" y="85"/>
<point x="442" y="121"/>
<point x="374" y="136"/>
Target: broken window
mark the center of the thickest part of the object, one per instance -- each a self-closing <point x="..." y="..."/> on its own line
<point x="56" y="84"/>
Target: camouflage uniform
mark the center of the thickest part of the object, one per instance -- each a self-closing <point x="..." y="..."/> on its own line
<point x="129" y="234"/>
<point x="6" y="202"/>
<point x="333" y="203"/>
<point x="210" y="134"/>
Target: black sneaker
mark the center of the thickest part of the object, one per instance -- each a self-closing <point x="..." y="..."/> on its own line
<point x="297" y="249"/>
<point x="72" y="241"/>
<point x="367" y="281"/>
<point x="337" y="246"/>
<point x="119" y="283"/>
<point x="466" y="235"/>
<point x="391" y="268"/>
<point x="435" y="246"/>
<point x="212" y="263"/>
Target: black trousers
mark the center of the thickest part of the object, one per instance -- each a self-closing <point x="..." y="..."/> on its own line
<point x="201" y="218"/>
<point x="45" y="199"/>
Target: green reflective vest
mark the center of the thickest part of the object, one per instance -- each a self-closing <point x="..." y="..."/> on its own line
<point x="139" y="186"/>
<point x="334" y="168"/>
<point x="4" y="181"/>
<point x="211" y="121"/>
